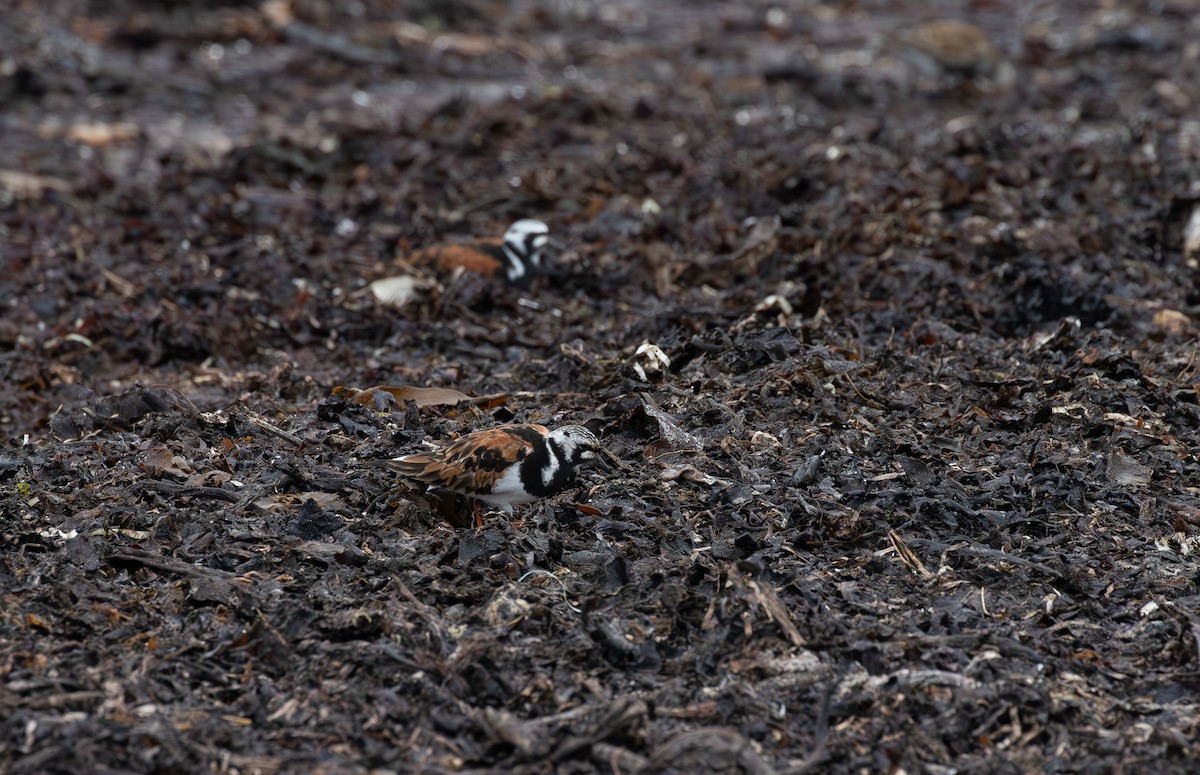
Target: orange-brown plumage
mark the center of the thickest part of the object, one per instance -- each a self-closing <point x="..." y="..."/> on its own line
<point x="516" y="260"/>
<point x="506" y="465"/>
<point x="474" y="463"/>
<point x="483" y="257"/>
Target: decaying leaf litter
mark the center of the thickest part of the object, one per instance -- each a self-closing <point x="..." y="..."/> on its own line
<point x="916" y="491"/>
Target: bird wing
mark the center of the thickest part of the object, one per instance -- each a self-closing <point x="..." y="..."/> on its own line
<point x="482" y="257"/>
<point x="473" y="463"/>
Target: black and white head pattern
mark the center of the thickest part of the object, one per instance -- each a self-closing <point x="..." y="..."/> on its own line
<point x="567" y="449"/>
<point x="524" y="243"/>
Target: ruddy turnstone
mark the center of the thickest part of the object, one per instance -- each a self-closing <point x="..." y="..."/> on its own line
<point x="507" y="465"/>
<point x="961" y="49"/>
<point x="516" y="259"/>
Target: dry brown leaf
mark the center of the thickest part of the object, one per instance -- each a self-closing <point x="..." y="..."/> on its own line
<point x="421" y="396"/>
<point x="160" y="460"/>
<point x="37" y="622"/>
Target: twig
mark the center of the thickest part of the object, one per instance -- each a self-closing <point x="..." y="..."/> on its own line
<point x="821" y="743"/>
<point x="280" y="17"/>
<point x="617" y="716"/>
<point x="275" y="431"/>
<point x="719" y="747"/>
<point x="766" y="596"/>
<point x="999" y="556"/>
<point x="907" y="556"/>
<point x="159" y="562"/>
<point x="339" y="46"/>
<point x="172" y="488"/>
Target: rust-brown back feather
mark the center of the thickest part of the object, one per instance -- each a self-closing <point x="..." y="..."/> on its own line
<point x="473" y="463"/>
<point x="482" y="257"/>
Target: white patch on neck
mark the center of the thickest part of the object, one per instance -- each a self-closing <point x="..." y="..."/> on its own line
<point x="523" y="245"/>
<point x="516" y="266"/>
<point x="552" y="464"/>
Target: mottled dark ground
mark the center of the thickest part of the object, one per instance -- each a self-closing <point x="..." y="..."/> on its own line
<point x="918" y="493"/>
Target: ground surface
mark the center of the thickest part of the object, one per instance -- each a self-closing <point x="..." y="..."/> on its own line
<point x="925" y="457"/>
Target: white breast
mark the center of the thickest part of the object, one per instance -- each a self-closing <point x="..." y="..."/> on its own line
<point x="508" y="490"/>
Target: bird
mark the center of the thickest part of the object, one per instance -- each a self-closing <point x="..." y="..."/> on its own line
<point x="959" y="48"/>
<point x="515" y="259"/>
<point x="506" y="465"/>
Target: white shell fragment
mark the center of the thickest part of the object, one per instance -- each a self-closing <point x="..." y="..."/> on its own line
<point x="1191" y="236"/>
<point x="398" y="291"/>
<point x="650" y="363"/>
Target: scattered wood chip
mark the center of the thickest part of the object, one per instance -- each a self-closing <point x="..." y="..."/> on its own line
<point x="119" y="284"/>
<point x="409" y="34"/>
<point x="777" y="612"/>
<point x="98" y="134"/>
<point x="285" y="501"/>
<point x="22" y="185"/>
<point x="912" y="561"/>
<point x="1170" y="92"/>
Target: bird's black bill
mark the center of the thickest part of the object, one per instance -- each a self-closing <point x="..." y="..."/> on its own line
<point x="604" y="461"/>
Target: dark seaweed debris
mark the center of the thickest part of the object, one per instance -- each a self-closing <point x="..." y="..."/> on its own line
<point x="917" y="490"/>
